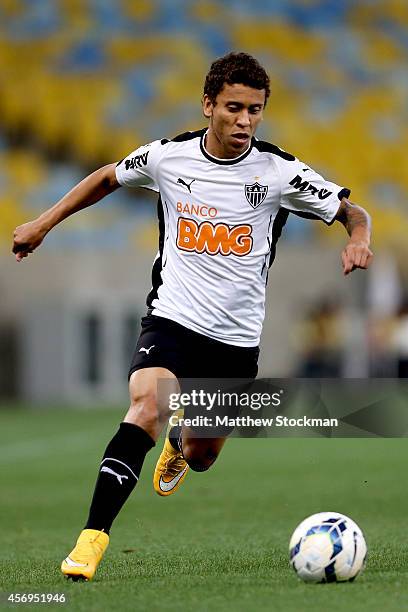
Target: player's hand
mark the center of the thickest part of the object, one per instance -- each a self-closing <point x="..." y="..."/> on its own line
<point x="356" y="255"/>
<point x="27" y="237"/>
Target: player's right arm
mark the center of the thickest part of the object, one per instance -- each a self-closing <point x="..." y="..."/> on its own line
<point x="90" y="190"/>
<point x="138" y="169"/>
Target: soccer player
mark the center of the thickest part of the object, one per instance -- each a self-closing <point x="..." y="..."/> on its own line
<point x="224" y="197"/>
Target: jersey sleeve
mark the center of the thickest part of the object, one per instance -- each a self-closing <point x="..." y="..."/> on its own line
<point x="308" y="194"/>
<point x="140" y="168"/>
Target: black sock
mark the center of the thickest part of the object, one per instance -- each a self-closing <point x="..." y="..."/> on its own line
<point x="119" y="472"/>
<point x="175" y="438"/>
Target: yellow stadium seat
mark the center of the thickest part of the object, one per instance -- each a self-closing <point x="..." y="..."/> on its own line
<point x="142" y="10"/>
<point x="283" y="39"/>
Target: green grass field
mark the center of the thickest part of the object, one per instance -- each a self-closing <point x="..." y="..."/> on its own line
<point x="221" y="542"/>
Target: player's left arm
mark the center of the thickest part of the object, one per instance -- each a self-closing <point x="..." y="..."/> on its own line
<point x="357" y="221"/>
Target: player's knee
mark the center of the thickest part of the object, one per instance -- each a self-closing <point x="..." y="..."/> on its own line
<point x="199" y="460"/>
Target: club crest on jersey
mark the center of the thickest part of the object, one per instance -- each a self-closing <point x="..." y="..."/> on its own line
<point x="255" y="194"/>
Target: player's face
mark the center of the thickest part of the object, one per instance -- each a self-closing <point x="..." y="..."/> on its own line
<point x="234" y="117"/>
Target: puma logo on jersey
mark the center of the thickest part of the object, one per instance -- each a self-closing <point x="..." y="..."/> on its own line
<point x="188" y="185"/>
<point x="118" y="476"/>
<point x="213" y="239"/>
<point x="146" y="350"/>
<point x="297" y="183"/>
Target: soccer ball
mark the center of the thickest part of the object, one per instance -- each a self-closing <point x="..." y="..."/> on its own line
<point x="327" y="547"/>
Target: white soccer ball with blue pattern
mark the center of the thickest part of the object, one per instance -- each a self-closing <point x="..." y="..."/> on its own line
<point x="327" y="547"/>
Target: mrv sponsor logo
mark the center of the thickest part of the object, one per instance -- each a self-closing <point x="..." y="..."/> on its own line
<point x="301" y="185"/>
<point x="136" y="162"/>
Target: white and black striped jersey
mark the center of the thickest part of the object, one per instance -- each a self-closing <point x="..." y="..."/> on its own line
<point x="219" y="222"/>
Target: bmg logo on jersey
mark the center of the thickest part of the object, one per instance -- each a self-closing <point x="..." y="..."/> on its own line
<point x="210" y="238"/>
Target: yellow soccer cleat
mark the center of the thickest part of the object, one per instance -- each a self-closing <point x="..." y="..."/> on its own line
<point x="171" y="469"/>
<point x="83" y="561"/>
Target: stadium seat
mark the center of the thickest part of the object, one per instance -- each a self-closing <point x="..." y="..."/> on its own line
<point x="100" y="79"/>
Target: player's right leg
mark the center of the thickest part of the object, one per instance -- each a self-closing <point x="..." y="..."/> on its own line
<point x="120" y="469"/>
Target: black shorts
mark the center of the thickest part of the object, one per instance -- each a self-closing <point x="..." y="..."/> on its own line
<point x="166" y="344"/>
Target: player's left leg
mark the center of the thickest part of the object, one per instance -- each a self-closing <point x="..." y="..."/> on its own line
<point x="185" y="448"/>
<point x="215" y="361"/>
<point x="182" y="450"/>
<point x="171" y="467"/>
<point x="199" y="453"/>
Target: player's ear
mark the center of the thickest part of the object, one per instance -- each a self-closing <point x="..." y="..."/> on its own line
<point x="207" y="106"/>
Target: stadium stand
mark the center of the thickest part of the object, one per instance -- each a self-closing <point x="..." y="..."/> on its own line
<point x="85" y="82"/>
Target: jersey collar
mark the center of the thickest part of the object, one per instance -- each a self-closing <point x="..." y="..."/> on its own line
<point x="223" y="162"/>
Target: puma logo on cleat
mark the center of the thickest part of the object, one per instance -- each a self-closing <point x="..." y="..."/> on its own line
<point x="168" y="486"/>
<point x="109" y="471"/>
<point x="147" y="351"/>
<point x="188" y="185"/>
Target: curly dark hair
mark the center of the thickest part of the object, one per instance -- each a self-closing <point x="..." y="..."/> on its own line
<point x="235" y="68"/>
